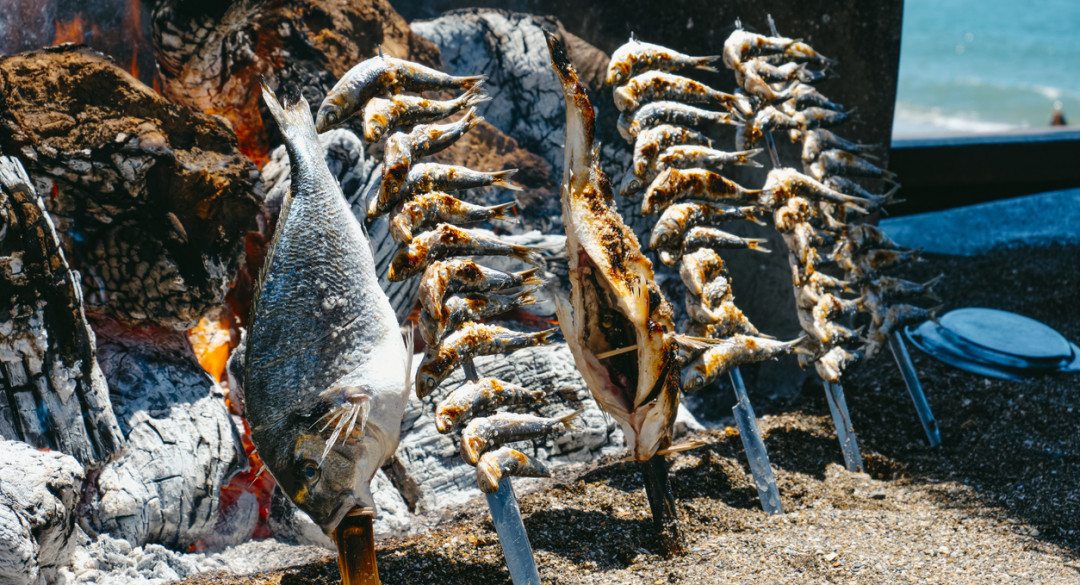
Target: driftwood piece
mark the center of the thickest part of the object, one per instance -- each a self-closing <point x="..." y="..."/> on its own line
<point x="38" y="494"/>
<point x="54" y="393"/>
<point x="182" y="444"/>
<point x="212" y="56"/>
<point x="154" y="197"/>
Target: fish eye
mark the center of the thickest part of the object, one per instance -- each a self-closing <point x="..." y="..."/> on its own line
<point x="332" y="116"/>
<point x="309" y="471"/>
<point x="607" y="321"/>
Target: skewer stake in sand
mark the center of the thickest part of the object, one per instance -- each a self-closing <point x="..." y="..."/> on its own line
<point x="355" y="540"/>
<point x="506" y="516"/>
<point x="755" y="447"/>
<point x="914" y="388"/>
<point x="654" y="472"/>
<point x="845" y="432"/>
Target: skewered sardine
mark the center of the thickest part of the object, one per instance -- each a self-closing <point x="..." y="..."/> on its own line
<point x="426" y="210"/>
<point x="700" y="268"/>
<point x="728" y="353"/>
<point x="425" y="177"/>
<point x="471" y="307"/>
<point x="494" y="465"/>
<point x="447" y="240"/>
<point x="464" y="276"/>
<point x="656" y="113"/>
<point x="677" y="184"/>
<point x="648" y="146"/>
<point x="834" y="362"/>
<point x="681" y="217"/>
<point x="635" y="57"/>
<point x="484" y="433"/>
<point x="785" y="183"/>
<point x="818" y="140"/>
<point x="743" y="45"/>
<point x="383" y="115"/>
<point x="708" y="237"/>
<point x="839" y="162"/>
<point x="381" y="76"/>
<point x="653" y="86"/>
<point x="472" y="398"/>
<point x="686" y="156"/>
<point x="326" y="372"/>
<point x="472" y="339"/>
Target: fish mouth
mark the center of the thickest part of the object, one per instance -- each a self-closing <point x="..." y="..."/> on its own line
<point x="348" y="503"/>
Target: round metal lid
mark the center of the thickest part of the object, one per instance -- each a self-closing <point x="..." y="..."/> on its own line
<point x="995" y="343"/>
<point x="1007" y="333"/>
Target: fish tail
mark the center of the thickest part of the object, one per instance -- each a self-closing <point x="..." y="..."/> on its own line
<point x="294" y="120"/>
<point x="528" y="254"/>
<point x="706" y="63"/>
<point x="544" y="336"/>
<point x="502" y="179"/>
<point x="529" y="277"/>
<point x="503" y="212"/>
<point x="565" y="420"/>
<point x="476" y="95"/>
<point x="526" y="297"/>
<point x="468" y="82"/>
<point x="471" y="119"/>
<point x="746" y="157"/>
<point x="757" y="244"/>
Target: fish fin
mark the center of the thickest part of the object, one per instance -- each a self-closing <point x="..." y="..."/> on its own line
<point x="500" y="212"/>
<point x="565" y="420"/>
<point x="476" y="95"/>
<point x="526" y="297"/>
<point x="469" y="81"/>
<point x="706" y="63"/>
<point x="682" y="447"/>
<point x="529" y="277"/>
<point x="294" y="120"/>
<point x="501" y="179"/>
<point x="528" y="254"/>
<point x="756" y="245"/>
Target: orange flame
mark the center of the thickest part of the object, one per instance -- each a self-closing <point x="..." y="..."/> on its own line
<point x="211" y="342"/>
<point x="69" y="32"/>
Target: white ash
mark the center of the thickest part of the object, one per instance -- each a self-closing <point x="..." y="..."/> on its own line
<point x="38" y="494"/>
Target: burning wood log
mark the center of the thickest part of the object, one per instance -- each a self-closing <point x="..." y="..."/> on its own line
<point x="155" y="198"/>
<point x="212" y="57"/>
<point x="55" y="395"/>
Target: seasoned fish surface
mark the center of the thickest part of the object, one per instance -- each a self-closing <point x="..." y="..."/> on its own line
<point x="326" y="368"/>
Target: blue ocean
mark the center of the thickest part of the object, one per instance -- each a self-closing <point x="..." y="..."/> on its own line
<point x="987" y="65"/>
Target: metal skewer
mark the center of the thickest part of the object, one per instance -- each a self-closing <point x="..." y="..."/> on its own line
<point x="845" y="432"/>
<point x="914" y="388"/>
<point x="506" y="515"/>
<point x="755" y="447"/>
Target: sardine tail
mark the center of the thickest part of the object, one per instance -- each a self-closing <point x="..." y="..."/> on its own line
<point x="502" y="179"/>
<point x="504" y="212"/>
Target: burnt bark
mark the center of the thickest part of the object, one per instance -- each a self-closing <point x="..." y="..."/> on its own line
<point x="214" y="55"/>
<point x="54" y="393"/>
<point x="152" y="199"/>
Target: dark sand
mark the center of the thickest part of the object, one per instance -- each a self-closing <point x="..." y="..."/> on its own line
<point x="999" y="502"/>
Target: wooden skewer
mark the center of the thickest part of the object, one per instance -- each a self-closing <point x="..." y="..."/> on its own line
<point x="607" y="354"/>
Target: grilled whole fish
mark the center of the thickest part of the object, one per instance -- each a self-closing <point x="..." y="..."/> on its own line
<point x="326" y="376"/>
<point x="473" y="398"/>
<point x="381" y="76"/>
<point x="635" y="57"/>
<point x="614" y="301"/>
<point x="459" y="275"/>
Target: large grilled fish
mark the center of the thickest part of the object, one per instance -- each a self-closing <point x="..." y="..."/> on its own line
<point x="326" y="376"/>
<point x="615" y="302"/>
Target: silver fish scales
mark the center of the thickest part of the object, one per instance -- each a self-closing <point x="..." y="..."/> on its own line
<point x="473" y="398"/>
<point x="326" y="369"/>
<point x="447" y="240"/>
<point x="471" y="340"/>
<point x="657" y="113"/>
<point x="504" y="427"/>
<point x="453" y="276"/>
<point x="429" y="209"/>
<point x="635" y="57"/>
<point x="384" y="115"/>
<point x="457" y="310"/>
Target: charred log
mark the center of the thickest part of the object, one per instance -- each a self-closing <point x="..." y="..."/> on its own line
<point x="54" y="393"/>
<point x="213" y="55"/>
<point x="154" y="198"/>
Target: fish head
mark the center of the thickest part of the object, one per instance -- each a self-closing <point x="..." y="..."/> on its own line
<point x="325" y="457"/>
<point x="618" y="319"/>
<point x="333" y="110"/>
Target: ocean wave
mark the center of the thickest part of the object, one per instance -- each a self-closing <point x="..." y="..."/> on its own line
<point x="912" y="120"/>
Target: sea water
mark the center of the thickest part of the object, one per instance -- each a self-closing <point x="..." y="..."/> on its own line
<point x="987" y="65"/>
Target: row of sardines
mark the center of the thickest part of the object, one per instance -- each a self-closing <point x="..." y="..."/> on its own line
<point x="838" y="268"/>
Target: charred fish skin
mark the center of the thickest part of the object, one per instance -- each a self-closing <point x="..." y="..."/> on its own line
<point x="657" y="113"/>
<point x="635" y="57"/>
<point x="325" y="358"/>
<point x="674" y="185"/>
<point x="430" y="209"/>
<point x="614" y="301"/>
<point x="471" y="307"/>
<point x="473" y="398"/>
<point x="447" y="277"/>
<point x="661" y="86"/>
<point x="648" y="145"/>
<point x="381" y="76"/>
<point x="494" y="465"/>
<point x="473" y="339"/>
<point x="447" y="240"/>
<point x="382" y="115"/>
<point x="504" y="427"/>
